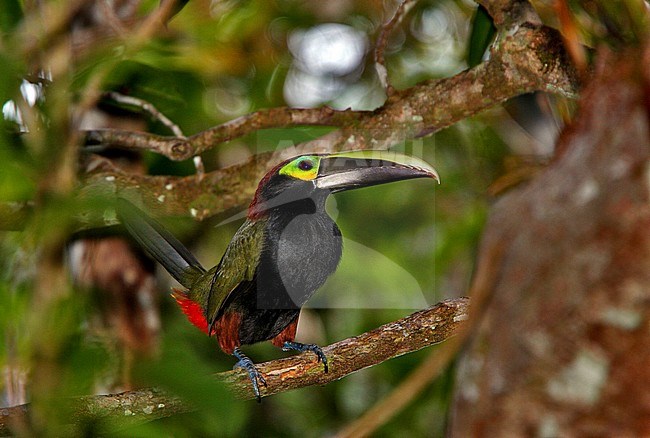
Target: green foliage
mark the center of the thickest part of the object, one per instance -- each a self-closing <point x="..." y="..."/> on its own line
<point x="16" y="176"/>
<point x="211" y="66"/>
<point x="481" y="36"/>
<point x="10" y="15"/>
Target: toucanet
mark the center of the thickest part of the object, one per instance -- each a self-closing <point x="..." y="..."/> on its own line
<point x="285" y="250"/>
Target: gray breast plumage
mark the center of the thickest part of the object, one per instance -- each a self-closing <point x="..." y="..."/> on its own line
<point x="309" y="251"/>
<point x="305" y="251"/>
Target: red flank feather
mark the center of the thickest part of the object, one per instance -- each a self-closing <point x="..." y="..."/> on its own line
<point x="226" y="328"/>
<point x="192" y="310"/>
<point x="227" y="331"/>
<point x="288" y="334"/>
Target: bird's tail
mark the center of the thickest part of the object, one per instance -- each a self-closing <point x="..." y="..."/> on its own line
<point x="159" y="243"/>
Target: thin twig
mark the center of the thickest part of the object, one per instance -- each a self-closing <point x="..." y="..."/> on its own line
<point x="148" y="108"/>
<point x="382" y="40"/>
<point x="200" y="168"/>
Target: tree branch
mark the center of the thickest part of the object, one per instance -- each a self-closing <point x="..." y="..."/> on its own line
<point x="147" y="108"/>
<point x="531" y="59"/>
<point x="179" y="148"/>
<point x="414" y="332"/>
<point x="380" y="62"/>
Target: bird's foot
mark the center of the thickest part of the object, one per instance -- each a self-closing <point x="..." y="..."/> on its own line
<point x="253" y="374"/>
<point x="297" y="346"/>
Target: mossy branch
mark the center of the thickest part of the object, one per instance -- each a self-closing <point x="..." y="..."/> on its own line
<point x="414" y="332"/>
<point x="530" y="59"/>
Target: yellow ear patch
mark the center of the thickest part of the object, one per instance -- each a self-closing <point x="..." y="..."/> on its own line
<point x="304" y="168"/>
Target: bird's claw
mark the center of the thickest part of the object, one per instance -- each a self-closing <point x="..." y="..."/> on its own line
<point x="253" y="373"/>
<point x="297" y="346"/>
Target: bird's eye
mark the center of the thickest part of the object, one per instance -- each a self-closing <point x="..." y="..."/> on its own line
<point x="305" y="165"/>
<point x="302" y="168"/>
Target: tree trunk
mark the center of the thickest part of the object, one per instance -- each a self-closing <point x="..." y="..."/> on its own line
<point x="563" y="347"/>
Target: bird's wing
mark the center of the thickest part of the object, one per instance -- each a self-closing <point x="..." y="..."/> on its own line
<point x="237" y="267"/>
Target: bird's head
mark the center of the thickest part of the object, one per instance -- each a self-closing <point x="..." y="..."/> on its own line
<point x="315" y="176"/>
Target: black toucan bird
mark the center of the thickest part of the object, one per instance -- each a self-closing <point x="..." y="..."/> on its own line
<point x="281" y="255"/>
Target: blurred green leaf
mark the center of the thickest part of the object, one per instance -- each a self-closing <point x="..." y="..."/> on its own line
<point x="186" y="373"/>
<point x="15" y="181"/>
<point x="481" y="36"/>
<point x="10" y="15"/>
<point x="10" y="72"/>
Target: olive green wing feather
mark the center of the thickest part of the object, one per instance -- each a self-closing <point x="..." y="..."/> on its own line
<point x="237" y="266"/>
